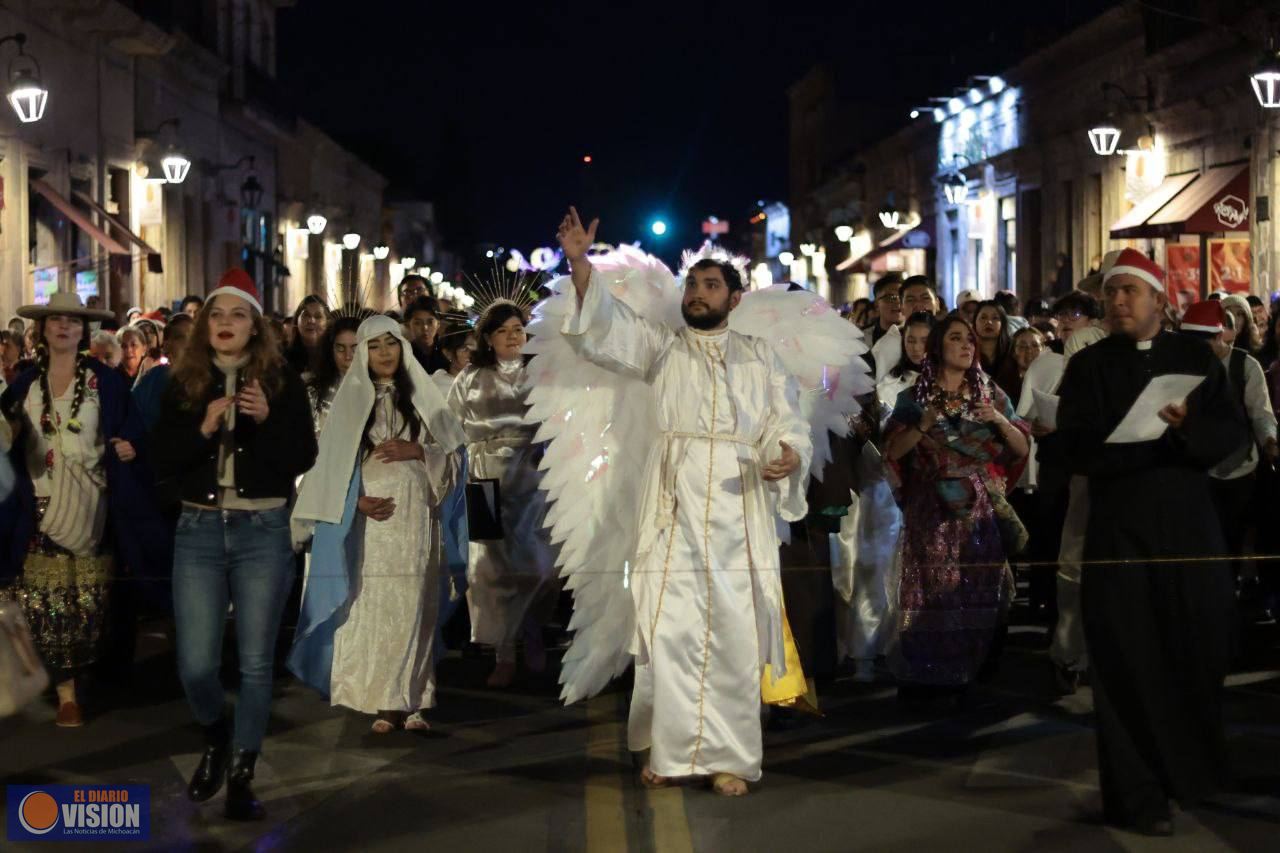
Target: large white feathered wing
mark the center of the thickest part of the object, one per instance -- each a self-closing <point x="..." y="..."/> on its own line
<point x="600" y="427"/>
<point x="820" y="348"/>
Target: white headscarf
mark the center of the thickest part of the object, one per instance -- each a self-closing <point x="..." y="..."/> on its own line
<point x="324" y="488"/>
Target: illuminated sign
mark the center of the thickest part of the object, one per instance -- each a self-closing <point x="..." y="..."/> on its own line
<point x="982" y="130"/>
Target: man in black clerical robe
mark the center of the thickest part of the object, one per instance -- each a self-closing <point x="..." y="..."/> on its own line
<point x="1157" y="608"/>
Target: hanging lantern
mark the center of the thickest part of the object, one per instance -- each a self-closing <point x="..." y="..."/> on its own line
<point x="1266" y="86"/>
<point x="409" y="262"/>
<point x="1104" y="140"/>
<point x="27" y="94"/>
<point x="316" y="223"/>
<point x="351" y="240"/>
<point x="889" y="216"/>
<point x="175" y="167"/>
<point x="844" y="233"/>
<point x="380" y="252"/>
<point x="956" y="188"/>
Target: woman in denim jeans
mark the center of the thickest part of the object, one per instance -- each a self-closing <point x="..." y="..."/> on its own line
<point x="234" y="433"/>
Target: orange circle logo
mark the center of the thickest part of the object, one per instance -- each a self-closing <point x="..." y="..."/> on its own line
<point x="38" y="812"/>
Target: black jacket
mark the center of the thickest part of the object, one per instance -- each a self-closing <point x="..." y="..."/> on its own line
<point x="269" y="456"/>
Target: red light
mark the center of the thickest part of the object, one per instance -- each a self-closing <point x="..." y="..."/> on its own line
<point x="587" y="159"/>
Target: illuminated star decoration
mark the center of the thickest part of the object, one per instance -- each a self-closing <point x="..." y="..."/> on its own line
<point x="710" y="251"/>
<point x="504" y="287"/>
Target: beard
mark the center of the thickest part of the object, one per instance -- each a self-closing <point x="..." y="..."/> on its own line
<point x="707" y="319"/>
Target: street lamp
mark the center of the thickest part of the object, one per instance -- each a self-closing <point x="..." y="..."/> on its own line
<point x="844" y="233"/>
<point x="437" y="277"/>
<point x="889" y="216"/>
<point x="658" y="227"/>
<point x="351" y="240"/>
<point x="175" y="167"/>
<point x="956" y="188"/>
<point x="27" y="95"/>
<point x="316" y="223"/>
<point x="786" y="258"/>
<point x="409" y="262"/>
<point x="1266" y="80"/>
<point x="1104" y="140"/>
<point x="380" y="252"/>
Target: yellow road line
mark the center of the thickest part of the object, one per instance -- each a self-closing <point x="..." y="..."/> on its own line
<point x="670" y="823"/>
<point x="606" y="818"/>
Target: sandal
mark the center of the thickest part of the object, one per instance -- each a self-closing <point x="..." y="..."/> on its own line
<point x="728" y="785"/>
<point x="416" y="722"/>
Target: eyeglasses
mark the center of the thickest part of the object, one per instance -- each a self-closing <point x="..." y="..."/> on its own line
<point x="891" y="298"/>
<point x="1069" y="315"/>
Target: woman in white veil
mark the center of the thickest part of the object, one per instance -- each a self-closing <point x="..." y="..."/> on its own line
<point x="387" y="460"/>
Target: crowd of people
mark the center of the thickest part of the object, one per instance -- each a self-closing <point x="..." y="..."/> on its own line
<point x="205" y="460"/>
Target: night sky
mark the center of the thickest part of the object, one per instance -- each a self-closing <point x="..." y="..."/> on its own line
<point x="487" y="109"/>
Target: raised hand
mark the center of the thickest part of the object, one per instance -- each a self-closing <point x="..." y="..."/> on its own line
<point x="214" y="414"/>
<point x="573" y="238"/>
<point x="253" y="401"/>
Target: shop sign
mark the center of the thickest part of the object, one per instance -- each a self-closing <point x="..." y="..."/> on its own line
<point x="1230" y="265"/>
<point x="1182" y="274"/>
<point x="916" y="239"/>
<point x="1232" y="212"/>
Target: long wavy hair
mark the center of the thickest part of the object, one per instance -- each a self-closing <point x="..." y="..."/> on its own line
<point x="326" y="372"/>
<point x="193" y="372"/>
<point x="492" y="320"/>
<point x="402" y="393"/>
<point x="927" y="386"/>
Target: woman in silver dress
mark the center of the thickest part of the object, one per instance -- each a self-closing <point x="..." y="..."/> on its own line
<point x="511" y="579"/>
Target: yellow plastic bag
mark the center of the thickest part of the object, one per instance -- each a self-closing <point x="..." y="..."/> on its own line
<point x="792" y="690"/>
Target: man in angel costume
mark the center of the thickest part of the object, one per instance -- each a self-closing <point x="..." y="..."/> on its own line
<point x="728" y="454"/>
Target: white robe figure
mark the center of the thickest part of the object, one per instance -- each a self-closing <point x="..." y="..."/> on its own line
<point x="378" y="612"/>
<point x="705" y="579"/>
<point x="383" y="658"/>
<point x="870" y="545"/>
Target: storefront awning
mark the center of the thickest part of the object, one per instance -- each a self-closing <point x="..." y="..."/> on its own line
<point x="1214" y="201"/>
<point x="154" y="264"/>
<point x="67" y="209"/>
<point x="918" y="236"/>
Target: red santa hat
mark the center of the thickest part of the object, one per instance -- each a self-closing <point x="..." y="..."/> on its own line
<point x="1134" y="263"/>
<point x="1204" y="317"/>
<point x="237" y="282"/>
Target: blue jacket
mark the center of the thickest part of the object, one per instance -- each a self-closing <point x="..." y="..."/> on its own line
<point x="140" y="538"/>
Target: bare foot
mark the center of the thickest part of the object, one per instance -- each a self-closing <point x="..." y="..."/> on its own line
<point x="387" y="722"/>
<point x="504" y="672"/>
<point x="652" y="780"/>
<point x="728" y="785"/>
<point x="416" y="723"/>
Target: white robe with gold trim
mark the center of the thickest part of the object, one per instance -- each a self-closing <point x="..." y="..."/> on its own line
<point x="705" y="581"/>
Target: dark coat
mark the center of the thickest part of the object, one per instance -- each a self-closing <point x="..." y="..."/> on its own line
<point x="138" y="535"/>
<point x="1147" y="499"/>
<point x="269" y="456"/>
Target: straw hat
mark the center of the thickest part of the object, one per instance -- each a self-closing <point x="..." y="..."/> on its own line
<point x="66" y="304"/>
